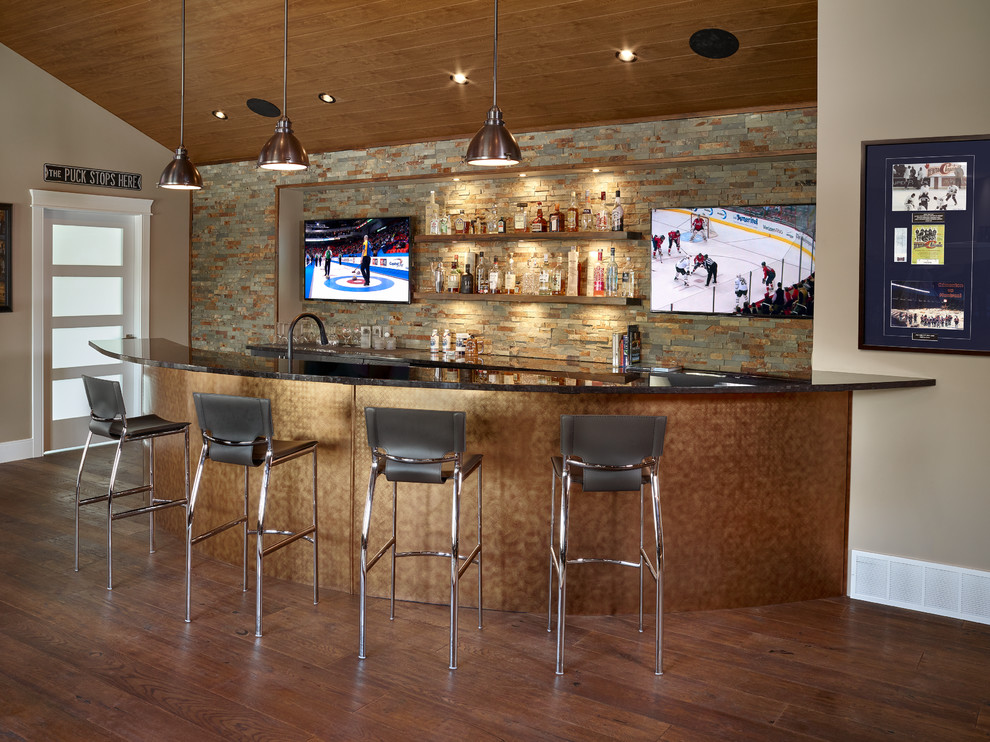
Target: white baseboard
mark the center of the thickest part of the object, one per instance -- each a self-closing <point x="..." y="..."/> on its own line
<point x="921" y="586"/>
<point x="16" y="450"/>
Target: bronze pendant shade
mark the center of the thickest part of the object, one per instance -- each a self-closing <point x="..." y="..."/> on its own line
<point x="494" y="145"/>
<point x="180" y="174"/>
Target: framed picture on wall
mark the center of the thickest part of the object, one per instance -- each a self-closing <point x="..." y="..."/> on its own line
<point x="925" y="245"/>
<point x="5" y="258"/>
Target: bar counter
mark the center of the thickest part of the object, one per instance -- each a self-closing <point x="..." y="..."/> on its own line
<point x="754" y="476"/>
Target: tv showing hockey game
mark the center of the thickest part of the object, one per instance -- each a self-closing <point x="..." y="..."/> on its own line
<point x="357" y="260"/>
<point x="757" y="260"/>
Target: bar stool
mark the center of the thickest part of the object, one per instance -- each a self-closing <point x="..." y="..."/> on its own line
<point x="108" y="418"/>
<point x="239" y="431"/>
<point x="607" y="453"/>
<point x="420" y="446"/>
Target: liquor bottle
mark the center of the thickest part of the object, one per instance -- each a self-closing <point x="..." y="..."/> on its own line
<point x="587" y="214"/>
<point x="453" y="277"/>
<point x="556" y="219"/>
<point x="433" y="214"/>
<point x="571" y="219"/>
<point x="629" y="279"/>
<point x="495" y="285"/>
<point x="467" y="280"/>
<point x="520" y="222"/>
<point x="500" y="225"/>
<point x="573" y="272"/>
<point x="481" y="275"/>
<point x="601" y="223"/>
<point x="439" y="277"/>
<point x="510" y="278"/>
<point x="557" y="277"/>
<point x="459" y="223"/>
<point x="445" y="219"/>
<point x="493" y="219"/>
<point x="539" y="224"/>
<point x="599" y="276"/>
<point x="612" y="276"/>
<point x="544" y="288"/>
<point x="617" y="214"/>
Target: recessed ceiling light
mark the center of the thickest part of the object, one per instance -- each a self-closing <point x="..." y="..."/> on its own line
<point x="714" y="43"/>
<point x="327" y="98"/>
<point x="522" y="175"/>
<point x="220" y="115"/>
<point x="456" y="179"/>
<point x="460" y="78"/>
<point x="626" y="55"/>
<point x="595" y="170"/>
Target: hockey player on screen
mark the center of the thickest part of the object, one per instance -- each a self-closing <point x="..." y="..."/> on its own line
<point x="769" y="274"/>
<point x="674" y="238"/>
<point x="741" y="289"/>
<point x="923" y="198"/>
<point x="698" y="228"/>
<point x="909" y="203"/>
<point x="711" y="268"/>
<point x="699" y="260"/>
<point x="682" y="269"/>
<point x="658" y="246"/>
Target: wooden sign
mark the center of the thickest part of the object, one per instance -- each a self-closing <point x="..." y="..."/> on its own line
<point x="89" y="176"/>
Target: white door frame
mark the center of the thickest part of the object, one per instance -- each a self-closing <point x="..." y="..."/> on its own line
<point x="43" y="201"/>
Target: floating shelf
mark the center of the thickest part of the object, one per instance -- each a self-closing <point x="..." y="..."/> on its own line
<point x="529" y="237"/>
<point x="615" y="301"/>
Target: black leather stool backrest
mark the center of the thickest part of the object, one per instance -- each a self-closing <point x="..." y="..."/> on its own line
<point x="612" y="440"/>
<point x="415" y="434"/>
<point x="238" y="428"/>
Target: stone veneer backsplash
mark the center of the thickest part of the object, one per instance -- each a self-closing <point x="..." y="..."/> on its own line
<point x="234" y="250"/>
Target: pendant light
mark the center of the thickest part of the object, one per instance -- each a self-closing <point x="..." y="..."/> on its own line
<point x="494" y="145"/>
<point x="180" y="174"/>
<point x="283" y="151"/>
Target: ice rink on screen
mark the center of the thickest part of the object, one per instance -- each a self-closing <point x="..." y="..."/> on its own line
<point x="345" y="283"/>
<point x="736" y="249"/>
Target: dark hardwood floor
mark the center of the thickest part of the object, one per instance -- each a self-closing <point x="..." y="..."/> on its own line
<point x="80" y="663"/>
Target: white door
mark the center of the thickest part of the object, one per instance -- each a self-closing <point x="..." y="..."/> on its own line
<point x="89" y="277"/>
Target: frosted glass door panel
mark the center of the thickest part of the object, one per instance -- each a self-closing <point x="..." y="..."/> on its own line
<point x="70" y="345"/>
<point x="83" y="296"/>
<point x="69" y="398"/>
<point x="76" y="244"/>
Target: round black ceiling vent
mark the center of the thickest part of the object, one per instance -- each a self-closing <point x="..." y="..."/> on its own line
<point x="714" y="43"/>
<point x="263" y="107"/>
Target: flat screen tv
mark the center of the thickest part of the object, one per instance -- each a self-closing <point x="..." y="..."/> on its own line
<point x="357" y="260"/>
<point x="733" y="260"/>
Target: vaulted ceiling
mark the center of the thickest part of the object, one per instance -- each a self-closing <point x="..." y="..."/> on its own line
<point x="388" y="63"/>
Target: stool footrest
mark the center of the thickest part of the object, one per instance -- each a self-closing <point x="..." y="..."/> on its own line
<point x="218" y="529"/>
<point x="597" y="560"/>
<point x="116" y="493"/>
<point x="468" y="560"/>
<point x="381" y="552"/>
<point x="158" y="505"/>
<point x="286" y="541"/>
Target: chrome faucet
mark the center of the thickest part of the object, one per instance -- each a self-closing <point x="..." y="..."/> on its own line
<point x="292" y="327"/>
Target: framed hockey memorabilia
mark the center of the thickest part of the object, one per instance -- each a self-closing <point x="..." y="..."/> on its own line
<point x="5" y="258"/>
<point x="925" y="245"/>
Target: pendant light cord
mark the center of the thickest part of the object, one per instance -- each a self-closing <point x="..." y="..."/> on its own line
<point x="182" y="77"/>
<point x="285" y="54"/>
<point x="494" y="60"/>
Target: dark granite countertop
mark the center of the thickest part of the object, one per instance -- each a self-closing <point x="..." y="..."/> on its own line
<point x="408" y="367"/>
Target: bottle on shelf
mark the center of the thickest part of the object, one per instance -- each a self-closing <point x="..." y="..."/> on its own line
<point x="629" y="279"/>
<point x="467" y="279"/>
<point x="530" y="278"/>
<point x="481" y="277"/>
<point x="557" y="277"/>
<point x="602" y="218"/>
<point x="433" y="214"/>
<point x="587" y="214"/>
<point x="501" y="227"/>
<point x="612" y="276"/>
<point x="573" y="272"/>
<point x="571" y="219"/>
<point x="444" y="219"/>
<point x="453" y="277"/>
<point x="598" y="277"/>
<point x="618" y="214"/>
<point x="556" y="220"/>
<point x="510" y="278"/>
<point x="520" y="221"/>
<point x="446" y="342"/>
<point x="493" y="219"/>
<point x="435" y="342"/>
<point x="539" y="223"/>
<point x="544" y="287"/>
<point x="495" y="283"/>
<point x="460" y="223"/>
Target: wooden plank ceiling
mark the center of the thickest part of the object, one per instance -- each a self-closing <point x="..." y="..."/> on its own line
<point x="388" y="62"/>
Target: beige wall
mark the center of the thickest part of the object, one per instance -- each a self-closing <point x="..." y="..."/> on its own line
<point x="42" y="120"/>
<point x="893" y="69"/>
